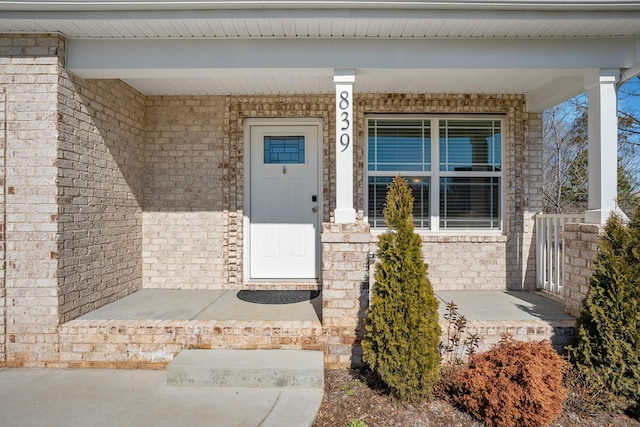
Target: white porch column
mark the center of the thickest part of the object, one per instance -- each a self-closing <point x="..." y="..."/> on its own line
<point x="344" y="80"/>
<point x="603" y="144"/>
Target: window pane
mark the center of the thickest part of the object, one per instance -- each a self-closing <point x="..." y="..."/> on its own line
<point x="470" y="145"/>
<point x="469" y="202"/>
<point x="399" y="145"/>
<point x="378" y="187"/>
<point x="283" y="149"/>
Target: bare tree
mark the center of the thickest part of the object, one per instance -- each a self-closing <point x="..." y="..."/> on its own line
<point x="562" y="144"/>
<point x="565" y="149"/>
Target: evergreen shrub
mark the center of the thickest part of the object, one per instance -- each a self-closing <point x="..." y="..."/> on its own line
<point x="402" y="333"/>
<point x="606" y="349"/>
<point x="514" y="384"/>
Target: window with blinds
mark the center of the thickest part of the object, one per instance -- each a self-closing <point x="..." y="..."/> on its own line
<point x="399" y="146"/>
<point x="466" y="176"/>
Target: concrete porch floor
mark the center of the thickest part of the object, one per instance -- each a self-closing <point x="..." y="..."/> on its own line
<point x="170" y="304"/>
<point x="160" y="304"/>
<point x="503" y="306"/>
<point x="149" y="328"/>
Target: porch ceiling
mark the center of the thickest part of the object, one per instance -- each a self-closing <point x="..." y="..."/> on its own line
<point x="320" y="81"/>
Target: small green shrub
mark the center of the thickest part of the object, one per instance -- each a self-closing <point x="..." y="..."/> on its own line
<point x="402" y="333"/>
<point x="513" y="384"/>
<point x="457" y="348"/>
<point x="357" y="423"/>
<point x="606" y="349"/>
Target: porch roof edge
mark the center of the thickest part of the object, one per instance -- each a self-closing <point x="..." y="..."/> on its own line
<point x="459" y="5"/>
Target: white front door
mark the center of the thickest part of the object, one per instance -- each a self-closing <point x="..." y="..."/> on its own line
<point x="284" y="202"/>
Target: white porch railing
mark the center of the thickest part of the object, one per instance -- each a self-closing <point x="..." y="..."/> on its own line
<point x="550" y="251"/>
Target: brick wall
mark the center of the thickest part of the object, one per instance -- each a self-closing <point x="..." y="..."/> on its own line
<point x="581" y="242"/>
<point x="29" y="70"/>
<point x="490" y="262"/>
<point x="466" y="262"/>
<point x="186" y="195"/>
<point x="194" y="181"/>
<point x="3" y="129"/>
<point x="472" y="262"/>
<point x="194" y="184"/>
<point x="524" y="189"/>
<point x="345" y="292"/>
<point x="100" y="170"/>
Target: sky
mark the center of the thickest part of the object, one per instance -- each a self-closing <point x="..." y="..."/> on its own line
<point x="626" y="99"/>
<point x="629" y="102"/>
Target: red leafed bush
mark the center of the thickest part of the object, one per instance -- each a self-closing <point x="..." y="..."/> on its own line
<point x="514" y="384"/>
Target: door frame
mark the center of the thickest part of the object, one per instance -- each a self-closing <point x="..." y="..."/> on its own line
<point x="246" y="217"/>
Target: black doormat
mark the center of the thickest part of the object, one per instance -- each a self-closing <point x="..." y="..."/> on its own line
<point x="277" y="297"/>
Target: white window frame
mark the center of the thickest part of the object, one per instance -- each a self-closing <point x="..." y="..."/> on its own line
<point x="435" y="174"/>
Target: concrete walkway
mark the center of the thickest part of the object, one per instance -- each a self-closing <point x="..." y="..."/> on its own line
<point x="96" y="397"/>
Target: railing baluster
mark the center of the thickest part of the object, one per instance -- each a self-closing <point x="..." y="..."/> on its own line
<point x="550" y="251"/>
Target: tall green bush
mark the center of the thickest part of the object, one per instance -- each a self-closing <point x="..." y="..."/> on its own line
<point x="402" y="332"/>
<point x="606" y="349"/>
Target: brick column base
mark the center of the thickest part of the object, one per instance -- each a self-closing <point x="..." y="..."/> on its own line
<point x="581" y="242"/>
<point x="345" y="291"/>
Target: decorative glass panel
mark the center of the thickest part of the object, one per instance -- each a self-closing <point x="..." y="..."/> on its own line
<point x="399" y="145"/>
<point x="283" y="149"/>
<point x="470" y="145"/>
<point x="378" y="187"/>
<point x="467" y="202"/>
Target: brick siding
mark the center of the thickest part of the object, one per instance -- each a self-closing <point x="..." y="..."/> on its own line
<point x="180" y="134"/>
<point x="581" y="242"/>
<point x="186" y="220"/>
<point x="29" y="71"/>
<point x="466" y="262"/>
<point x="151" y="344"/>
<point x="100" y="169"/>
<point x="345" y="293"/>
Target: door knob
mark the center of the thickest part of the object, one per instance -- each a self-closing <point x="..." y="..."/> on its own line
<point x="314" y="209"/>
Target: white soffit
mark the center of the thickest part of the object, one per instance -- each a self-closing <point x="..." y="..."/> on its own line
<point x="434" y="27"/>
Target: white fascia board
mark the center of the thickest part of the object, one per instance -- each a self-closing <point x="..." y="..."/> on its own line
<point x="398" y="12"/>
<point x="102" y="5"/>
<point x="111" y="58"/>
<point x="554" y="92"/>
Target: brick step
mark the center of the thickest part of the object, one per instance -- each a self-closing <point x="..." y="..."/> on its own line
<point x="489" y="332"/>
<point x="152" y="344"/>
<point x="289" y="369"/>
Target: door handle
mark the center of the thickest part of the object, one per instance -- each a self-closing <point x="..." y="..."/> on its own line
<point x="314" y="209"/>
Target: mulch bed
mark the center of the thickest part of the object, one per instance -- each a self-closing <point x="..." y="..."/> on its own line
<point x="352" y="394"/>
